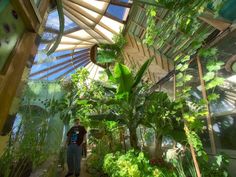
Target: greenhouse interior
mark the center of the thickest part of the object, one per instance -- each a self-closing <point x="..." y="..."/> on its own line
<point x="118" y="88"/>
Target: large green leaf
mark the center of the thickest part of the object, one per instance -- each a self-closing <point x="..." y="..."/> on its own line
<point x="109" y="75"/>
<point x="123" y="77"/>
<point x="141" y="72"/>
<point x="107" y="117"/>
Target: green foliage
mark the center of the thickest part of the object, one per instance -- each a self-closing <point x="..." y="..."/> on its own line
<point x="123" y="77"/>
<point x="103" y="140"/>
<point x="37" y="135"/>
<point x="141" y="72"/>
<point x="211" y="77"/>
<point x="132" y="164"/>
<point x="216" y="167"/>
<point x="162" y="115"/>
<point x="193" y="110"/>
<point x="96" y="159"/>
<point x="182" y="16"/>
<point x="184" y="165"/>
<point x="109" y="53"/>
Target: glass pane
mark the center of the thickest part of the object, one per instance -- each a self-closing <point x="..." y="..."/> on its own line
<point x="168" y="87"/>
<point x="226" y="91"/>
<point x="225" y="131"/>
<point x="204" y="135"/>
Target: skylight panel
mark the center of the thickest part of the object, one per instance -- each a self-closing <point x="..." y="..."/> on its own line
<point x="69" y="40"/>
<point x="65" y="47"/>
<point x="49" y="36"/>
<point x="90" y="12"/>
<point x="81" y="34"/>
<point x="53" y="21"/>
<point x="96" y="4"/>
<point x="116" y="26"/>
<point x="116" y="11"/>
<point x="105" y="32"/>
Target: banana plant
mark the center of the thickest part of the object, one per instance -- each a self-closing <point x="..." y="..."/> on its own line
<point x="163" y="117"/>
<point x="128" y="97"/>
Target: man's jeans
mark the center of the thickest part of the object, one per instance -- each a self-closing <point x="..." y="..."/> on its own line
<point x="74" y="153"/>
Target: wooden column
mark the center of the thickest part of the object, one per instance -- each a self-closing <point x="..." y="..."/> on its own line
<point x="25" y="49"/>
<point x="174" y="85"/>
<point x="209" y="119"/>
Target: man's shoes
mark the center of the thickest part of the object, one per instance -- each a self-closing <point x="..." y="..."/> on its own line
<point x="69" y="174"/>
<point x="77" y="175"/>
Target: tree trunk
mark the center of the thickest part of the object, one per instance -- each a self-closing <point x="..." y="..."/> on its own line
<point x="158" y="149"/>
<point x="133" y="138"/>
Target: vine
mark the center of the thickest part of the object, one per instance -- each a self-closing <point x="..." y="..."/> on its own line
<point x="182" y="17"/>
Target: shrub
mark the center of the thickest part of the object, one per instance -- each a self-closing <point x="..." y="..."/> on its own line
<point x="132" y="164"/>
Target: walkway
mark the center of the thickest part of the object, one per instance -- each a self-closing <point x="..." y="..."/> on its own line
<point x="83" y="170"/>
<point x="43" y="171"/>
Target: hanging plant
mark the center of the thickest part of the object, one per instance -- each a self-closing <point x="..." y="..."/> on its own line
<point x="110" y="53"/>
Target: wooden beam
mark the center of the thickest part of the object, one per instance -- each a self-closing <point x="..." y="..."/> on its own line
<point x="80" y="19"/>
<point x="208" y="117"/>
<point x="108" y="28"/>
<point x="9" y="81"/>
<point x="70" y="70"/>
<point x="87" y="6"/>
<point x="50" y="68"/>
<point x="74" y="11"/>
<point x="85" y="27"/>
<point x="55" y="31"/>
<point x="74" y="53"/>
<point x="120" y="3"/>
<point x="82" y="53"/>
<point x="85" y="14"/>
<point x="54" y="66"/>
<point x="72" y="30"/>
<point x="107" y="14"/>
<point x="90" y="17"/>
<point x="64" y="67"/>
<point x="103" y="35"/>
<point x="51" y="30"/>
<point x="216" y="23"/>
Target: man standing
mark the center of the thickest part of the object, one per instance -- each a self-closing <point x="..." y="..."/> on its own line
<point x="75" y="137"/>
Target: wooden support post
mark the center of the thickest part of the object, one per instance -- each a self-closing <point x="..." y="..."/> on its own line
<point x="174" y="85"/>
<point x="204" y="94"/>
<point x="193" y="154"/>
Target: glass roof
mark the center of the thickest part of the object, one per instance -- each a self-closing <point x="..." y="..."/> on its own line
<point x="87" y="23"/>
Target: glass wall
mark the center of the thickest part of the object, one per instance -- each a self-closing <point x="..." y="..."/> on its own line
<point x="168" y="87"/>
<point x="223" y="110"/>
<point x="225" y="131"/>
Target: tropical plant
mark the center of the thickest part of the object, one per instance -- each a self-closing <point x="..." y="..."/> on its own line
<point x="109" y="53"/>
<point x="181" y="16"/>
<point x="127" y="98"/>
<point x="132" y="164"/>
<point x="216" y="167"/>
<point x="161" y="115"/>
